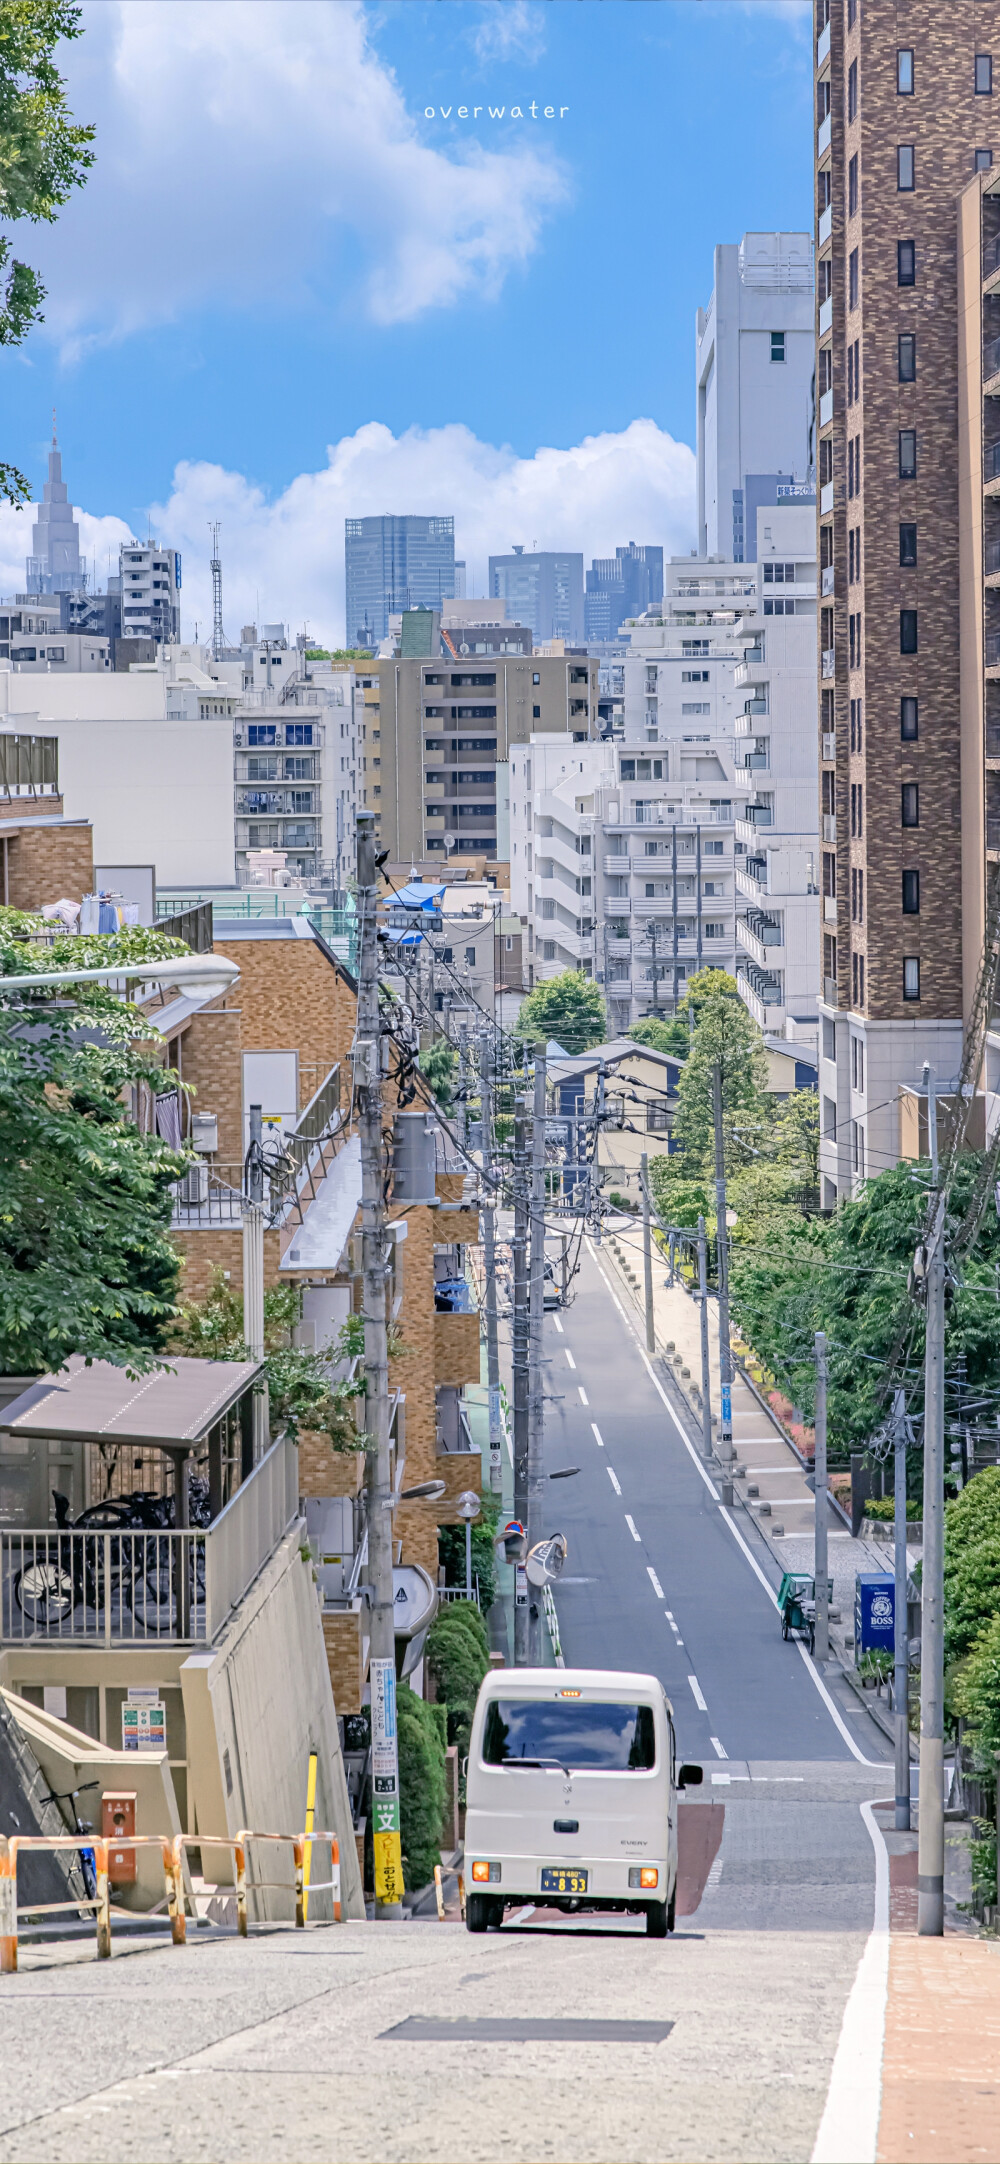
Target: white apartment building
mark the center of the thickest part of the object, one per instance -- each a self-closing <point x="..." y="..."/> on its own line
<point x="755" y="364"/>
<point x="31" y="639"/>
<point x="150" y="581"/>
<point x="723" y="675"/>
<point x="622" y="865"/>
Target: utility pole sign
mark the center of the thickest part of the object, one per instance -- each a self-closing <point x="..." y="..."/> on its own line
<point x="385" y="1785"/>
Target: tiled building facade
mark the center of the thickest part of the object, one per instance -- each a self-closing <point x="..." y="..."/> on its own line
<point x="904" y="114"/>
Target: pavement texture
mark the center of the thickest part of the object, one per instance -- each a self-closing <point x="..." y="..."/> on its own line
<point x="941" y="2063"/>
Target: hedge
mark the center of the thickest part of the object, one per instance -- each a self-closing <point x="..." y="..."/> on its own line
<point x="422" y="1785"/>
<point x="458" y="1654"/>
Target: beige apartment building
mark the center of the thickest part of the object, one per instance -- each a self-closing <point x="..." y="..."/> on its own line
<point x="906" y="116"/>
<point x="436" y="730"/>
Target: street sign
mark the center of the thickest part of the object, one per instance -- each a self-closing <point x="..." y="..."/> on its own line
<point x="144" y="1721"/>
<point x="385" y="1784"/>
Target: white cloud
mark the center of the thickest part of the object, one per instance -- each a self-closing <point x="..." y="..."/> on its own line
<point x="261" y="155"/>
<point x="510" y="29"/>
<point x="99" y="539"/>
<point x="637" y="485"/>
<point x="283" y="557"/>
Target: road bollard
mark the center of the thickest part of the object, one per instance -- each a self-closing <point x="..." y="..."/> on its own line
<point x="100" y="1848"/>
<point x="8" y="1912"/>
<point x="439" y="1892"/>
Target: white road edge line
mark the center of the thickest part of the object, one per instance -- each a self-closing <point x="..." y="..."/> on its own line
<point x="584" y="1400"/>
<point x="734" y="1529"/>
<point x="598" y="1437"/>
<point x="720" y="1753"/>
<point x="613" y="1477"/>
<point x="657" y="1587"/>
<point x="630" y="1522"/>
<point x="558" y="1324"/>
<point x="569" y="1356"/>
<point x="698" y="1694"/>
<point x="848" y="2130"/>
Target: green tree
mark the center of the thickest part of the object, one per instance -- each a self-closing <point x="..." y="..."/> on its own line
<point x="302" y="1391"/>
<point x="673" y="1037"/>
<point x="86" y="1265"/>
<point x="422" y="1789"/>
<point x="438" y="1061"/>
<point x="44" y="155"/>
<point x="568" y="1008"/>
<point x="725" y="1034"/>
<point x="451" y="1550"/>
<point x="459" y="1656"/>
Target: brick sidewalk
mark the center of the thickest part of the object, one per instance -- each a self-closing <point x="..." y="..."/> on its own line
<point x="941" y="2064"/>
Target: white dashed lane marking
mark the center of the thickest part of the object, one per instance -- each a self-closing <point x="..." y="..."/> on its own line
<point x="630" y="1522"/>
<point x="697" y="1694"/>
<point x="569" y="1356"/>
<point x="598" y="1437"/>
<point x="657" y="1587"/>
<point x="614" y="1481"/>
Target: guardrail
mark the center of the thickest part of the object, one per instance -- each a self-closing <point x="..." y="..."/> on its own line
<point x="172" y="1850"/>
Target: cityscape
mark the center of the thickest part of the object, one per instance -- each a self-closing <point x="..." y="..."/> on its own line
<point x="500" y="1084"/>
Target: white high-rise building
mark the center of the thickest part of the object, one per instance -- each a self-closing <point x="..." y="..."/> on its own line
<point x="755" y="369"/>
<point x="55" y="565"/>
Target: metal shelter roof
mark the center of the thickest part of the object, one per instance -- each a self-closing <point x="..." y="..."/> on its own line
<point x="171" y="1408"/>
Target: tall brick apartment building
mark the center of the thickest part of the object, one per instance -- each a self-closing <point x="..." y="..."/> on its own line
<point x="907" y="112"/>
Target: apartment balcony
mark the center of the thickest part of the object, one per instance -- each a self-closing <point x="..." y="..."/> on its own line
<point x="754" y="816"/>
<point x="991" y="261"/>
<point x="993" y="743"/>
<point x="826" y="216"/>
<point x="751" y="879"/>
<point x="992" y="650"/>
<point x="825" y="408"/>
<point x="991" y="365"/>
<point x="617" y="905"/>
<point x="826" y="492"/>
<point x="760" y="937"/>
<point x="756" y="762"/>
<point x="991" y="468"/>
<point x="828" y="662"/>
<point x="828" y="579"/>
<point x="686" y="815"/>
<point x="991" y="563"/>
<point x="758" y="706"/>
<point x="829" y="822"/>
<point x="826" y="307"/>
<point x="823" y="45"/>
<point x="829" y="745"/>
<point x="615" y="867"/>
<point x="762" y="994"/>
<point x="750" y="670"/>
<point x="830" y="991"/>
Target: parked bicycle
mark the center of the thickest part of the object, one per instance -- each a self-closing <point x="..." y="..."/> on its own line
<point x="80" y="1825"/>
<point x="64" y="1573"/>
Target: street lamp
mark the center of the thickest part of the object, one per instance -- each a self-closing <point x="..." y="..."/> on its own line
<point x="467" y="1507"/>
<point x="211" y="974"/>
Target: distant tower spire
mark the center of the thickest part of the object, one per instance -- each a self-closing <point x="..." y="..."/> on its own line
<point x="218" y="634"/>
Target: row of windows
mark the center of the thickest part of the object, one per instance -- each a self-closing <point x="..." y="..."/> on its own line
<point x="906" y="74"/>
<point x="907" y="633"/>
<point x="909" y="807"/>
<point x="911" y="990"/>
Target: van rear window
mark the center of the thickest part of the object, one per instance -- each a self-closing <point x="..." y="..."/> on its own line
<point x="577" y="1734"/>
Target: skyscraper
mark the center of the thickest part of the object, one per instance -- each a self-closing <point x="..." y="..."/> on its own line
<point x="55" y="565"/>
<point x="901" y="131"/>
<point x="755" y="361"/>
<point x="619" y="586"/>
<point x="543" y="590"/>
<point x="395" y="563"/>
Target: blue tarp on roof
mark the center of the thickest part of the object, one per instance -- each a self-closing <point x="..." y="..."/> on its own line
<point x="399" y="937"/>
<point x="417" y="895"/>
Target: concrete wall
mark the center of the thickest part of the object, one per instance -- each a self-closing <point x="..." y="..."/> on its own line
<point x="256" y="1705"/>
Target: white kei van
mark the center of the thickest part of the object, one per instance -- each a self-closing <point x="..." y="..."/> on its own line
<point x="571" y="1795"/>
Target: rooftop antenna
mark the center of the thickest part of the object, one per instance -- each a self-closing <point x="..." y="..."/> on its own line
<point x="218" y="635"/>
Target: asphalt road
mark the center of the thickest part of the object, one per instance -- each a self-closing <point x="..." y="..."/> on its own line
<point x="655" y="1577"/>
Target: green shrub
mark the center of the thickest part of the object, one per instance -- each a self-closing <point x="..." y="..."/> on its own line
<point x="883" y="1508"/>
<point x="422" y="1789"/>
<point x="974" y="1515"/>
<point x="975" y="1694"/>
<point x="451" y="1550"/>
<point x="971" y="1595"/>
<point x="458" y="1654"/>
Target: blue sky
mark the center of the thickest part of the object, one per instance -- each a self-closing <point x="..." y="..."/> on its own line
<point x="278" y="250"/>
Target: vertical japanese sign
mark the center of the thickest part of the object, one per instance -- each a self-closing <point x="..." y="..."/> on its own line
<point x="385" y="1784"/>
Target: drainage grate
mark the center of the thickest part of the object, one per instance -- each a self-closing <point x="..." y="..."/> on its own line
<point x="494" y="2029"/>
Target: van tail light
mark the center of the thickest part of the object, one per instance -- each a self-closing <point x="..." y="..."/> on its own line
<point x="486" y="1873"/>
<point x="644" y="1875"/>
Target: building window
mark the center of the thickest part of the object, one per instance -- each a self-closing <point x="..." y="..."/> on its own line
<point x="536" y="713"/>
<point x="854" y="640"/>
<point x="910" y="804"/>
<point x="852" y="279"/>
<point x="852" y="187"/>
<point x="907" y="454"/>
<point x="857" y="980"/>
<point x="777" y="345"/>
<point x="908" y="358"/>
<point x="857" y="895"/>
<point x="905" y="168"/>
<point x="904" y="72"/>
<point x="858" y="1139"/>
<point x="536" y="679"/>
<point x="984" y="75"/>
<point x="907" y="631"/>
<point x="852" y="13"/>
<point x="906" y="262"/>
<point x="857" y="811"/>
<point x="911" y="976"/>
<point x="852" y="91"/>
<point x="911" y="894"/>
<point x="908" y="554"/>
<point x="908" y="721"/>
<point x="856" y="725"/>
<point x="857" y="1063"/>
<point x="983" y="161"/>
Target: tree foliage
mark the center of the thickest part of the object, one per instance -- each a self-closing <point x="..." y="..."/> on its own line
<point x="422" y="1785"/>
<point x="459" y="1656"/>
<point x="568" y="1008"/>
<point x="44" y="155"/>
<point x="451" y="1550"/>
<point x="726" y="1036"/>
<point x="672" y="1037"/>
<point x="438" y="1061"/>
<point x="85" y="1204"/>
<point x="303" y="1389"/>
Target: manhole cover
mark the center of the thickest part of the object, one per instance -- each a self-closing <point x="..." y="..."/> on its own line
<point x="495" y="2029"/>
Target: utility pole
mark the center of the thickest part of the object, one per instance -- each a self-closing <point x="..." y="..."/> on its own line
<point x="821" y="1553"/>
<point x="519" y="1364"/>
<point x="490" y="1263"/>
<point x="901" y="1676"/>
<point x="253" y="1275"/>
<point x="930" y="1856"/>
<point x="381" y="1622"/>
<point x="596" y="1161"/>
<point x="706" y="1367"/>
<point x="647" y="1258"/>
<point x="536" y="1309"/>
<point x="722" y="1252"/>
<point x="673" y="864"/>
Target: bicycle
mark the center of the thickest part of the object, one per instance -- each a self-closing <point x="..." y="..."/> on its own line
<point x="80" y="1825"/>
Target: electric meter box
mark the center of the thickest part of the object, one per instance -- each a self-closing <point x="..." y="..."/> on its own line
<point x="118" y="1825"/>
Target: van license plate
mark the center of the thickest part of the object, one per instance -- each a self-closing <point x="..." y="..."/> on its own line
<point x="566" y="1881"/>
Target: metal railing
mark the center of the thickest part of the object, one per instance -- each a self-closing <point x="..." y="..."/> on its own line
<point x="193" y="925"/>
<point x="137" y="1587"/>
<point x="991" y="557"/>
<point x="991" y="359"/>
<point x="307" y="1150"/>
<point x="991" y="461"/>
<point x="992" y="649"/>
<point x="991" y="256"/>
<point x="207" y="1196"/>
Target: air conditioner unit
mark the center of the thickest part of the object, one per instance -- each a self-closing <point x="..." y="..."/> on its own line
<point x="193" y="1188"/>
